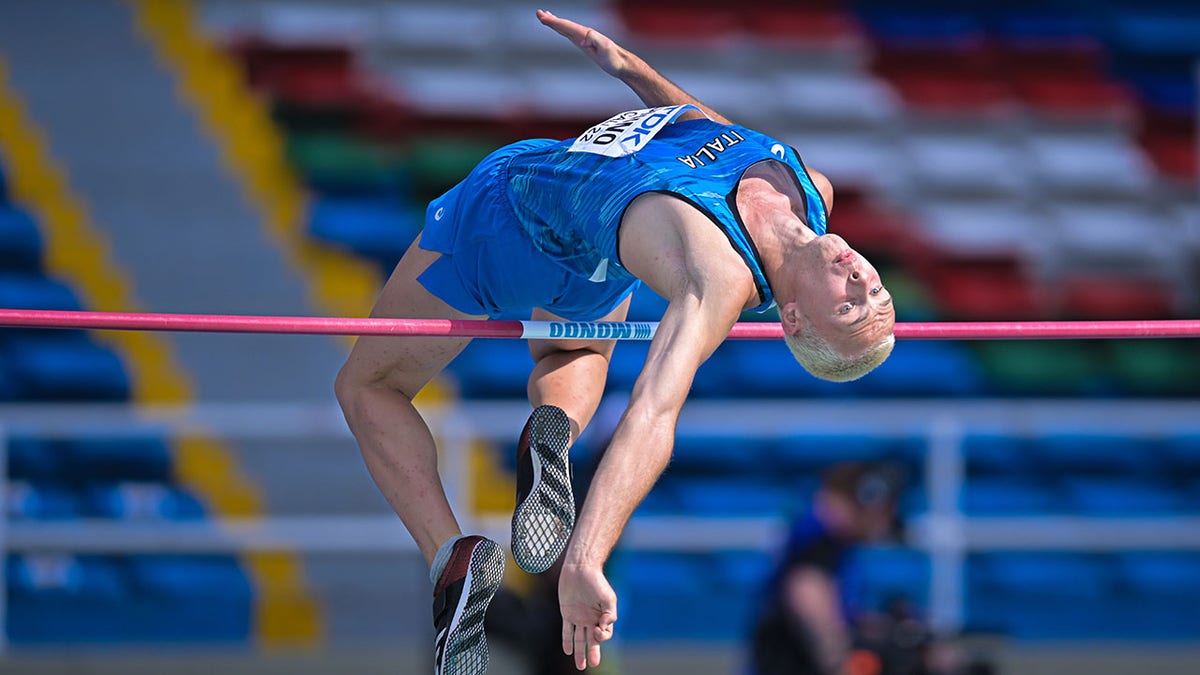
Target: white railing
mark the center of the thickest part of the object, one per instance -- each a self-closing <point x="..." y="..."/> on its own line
<point x="943" y="531"/>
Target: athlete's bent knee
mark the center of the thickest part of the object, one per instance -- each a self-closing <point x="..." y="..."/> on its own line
<point x="540" y="349"/>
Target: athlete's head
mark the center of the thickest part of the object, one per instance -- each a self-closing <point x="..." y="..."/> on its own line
<point x="839" y="322"/>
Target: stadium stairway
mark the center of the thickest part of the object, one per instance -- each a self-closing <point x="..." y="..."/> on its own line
<point x="190" y="240"/>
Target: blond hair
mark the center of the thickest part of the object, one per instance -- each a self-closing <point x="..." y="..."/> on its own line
<point x="821" y="360"/>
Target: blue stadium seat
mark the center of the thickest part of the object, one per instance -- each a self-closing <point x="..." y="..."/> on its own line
<point x="1121" y="496"/>
<point x="10" y="386"/>
<point x="626" y="364"/>
<point x="1049" y="575"/>
<point x="493" y="369"/>
<point x="1162" y="591"/>
<point x="4" y="200"/>
<point x="380" y="228"/>
<point x="926" y="369"/>
<point x="1165" y="573"/>
<point x="921" y="25"/>
<point x="809" y="451"/>
<point x="662" y="587"/>
<point x="661" y="500"/>
<point x="189" y="576"/>
<point x="747" y="570"/>
<point x="727" y="453"/>
<point x="1072" y="453"/>
<point x="628" y="358"/>
<point x="28" y="291"/>
<point x="56" y="599"/>
<point x="142" y="501"/>
<point x="1040" y="25"/>
<point x="144" y="458"/>
<point x="1009" y="496"/>
<point x="756" y="368"/>
<point x="35" y="459"/>
<point x="739" y="578"/>
<point x="1158" y="31"/>
<point x="60" y="367"/>
<point x="987" y="453"/>
<point x="20" y="241"/>
<point x="89" y="459"/>
<point x="733" y="497"/>
<point x="1076" y="595"/>
<point x="1182" y="453"/>
<point x="664" y="571"/>
<point x="43" y="501"/>
<point x="188" y="598"/>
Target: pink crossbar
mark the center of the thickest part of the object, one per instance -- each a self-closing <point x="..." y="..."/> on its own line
<point x="617" y="330"/>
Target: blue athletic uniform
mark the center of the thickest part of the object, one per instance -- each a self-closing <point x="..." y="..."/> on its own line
<point x="536" y="223"/>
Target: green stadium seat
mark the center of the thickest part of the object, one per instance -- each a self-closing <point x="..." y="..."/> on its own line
<point x="439" y="163"/>
<point x="344" y="163"/>
<point x="1155" y="367"/>
<point x="1044" y="368"/>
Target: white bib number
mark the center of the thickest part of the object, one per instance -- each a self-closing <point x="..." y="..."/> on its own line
<point x="627" y="132"/>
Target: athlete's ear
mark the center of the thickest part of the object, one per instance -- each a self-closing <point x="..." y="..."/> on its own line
<point x="792" y="319"/>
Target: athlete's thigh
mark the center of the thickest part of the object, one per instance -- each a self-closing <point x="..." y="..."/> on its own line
<point x="406" y="363"/>
<point x="539" y="348"/>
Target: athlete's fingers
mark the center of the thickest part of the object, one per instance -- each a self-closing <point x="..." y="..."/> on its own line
<point x="581" y="647"/>
<point x="568" y="637"/>
<point x="602" y="633"/>
<point x="593" y="653"/>
<point x="564" y="27"/>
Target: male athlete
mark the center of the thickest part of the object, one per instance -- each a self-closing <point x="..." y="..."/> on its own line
<point x="714" y="217"/>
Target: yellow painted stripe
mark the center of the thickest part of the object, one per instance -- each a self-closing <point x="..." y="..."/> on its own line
<point x="286" y="613"/>
<point x="252" y="149"/>
<point x="78" y="253"/>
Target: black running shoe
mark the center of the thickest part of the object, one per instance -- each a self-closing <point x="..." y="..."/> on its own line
<point x="545" y="513"/>
<point x="460" y="601"/>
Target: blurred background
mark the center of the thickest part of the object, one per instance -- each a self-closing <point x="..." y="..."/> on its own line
<point x="194" y="502"/>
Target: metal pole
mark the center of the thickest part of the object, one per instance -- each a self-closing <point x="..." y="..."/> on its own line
<point x="945" y="539"/>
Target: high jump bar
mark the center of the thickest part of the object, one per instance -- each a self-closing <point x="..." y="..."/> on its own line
<point x="596" y="330"/>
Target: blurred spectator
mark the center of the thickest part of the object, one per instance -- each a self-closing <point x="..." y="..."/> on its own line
<point x="806" y="627"/>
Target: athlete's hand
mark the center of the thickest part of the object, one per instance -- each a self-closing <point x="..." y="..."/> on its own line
<point x="589" y="610"/>
<point x="610" y="56"/>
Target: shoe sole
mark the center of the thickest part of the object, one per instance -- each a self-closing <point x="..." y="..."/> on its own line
<point x="466" y="648"/>
<point x="542" y="523"/>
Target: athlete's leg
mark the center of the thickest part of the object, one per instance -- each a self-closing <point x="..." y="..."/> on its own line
<point x="376" y="387"/>
<point x="565" y="389"/>
<point x="570" y="374"/>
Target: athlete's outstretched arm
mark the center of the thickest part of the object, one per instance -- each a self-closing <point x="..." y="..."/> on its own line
<point x="651" y="86"/>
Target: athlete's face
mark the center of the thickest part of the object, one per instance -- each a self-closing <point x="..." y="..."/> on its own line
<point x="840" y="295"/>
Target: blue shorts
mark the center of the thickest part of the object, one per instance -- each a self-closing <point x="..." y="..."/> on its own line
<point x="489" y="265"/>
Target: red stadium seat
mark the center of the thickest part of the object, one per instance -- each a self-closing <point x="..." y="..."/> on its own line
<point x="672" y="20"/>
<point x="959" y="77"/>
<point x="869" y="227"/>
<point x="1174" y="153"/>
<point x="1116" y="298"/>
<point x="1065" y="78"/>
<point x="272" y="67"/>
<point x="787" y="22"/>
<point x="975" y="291"/>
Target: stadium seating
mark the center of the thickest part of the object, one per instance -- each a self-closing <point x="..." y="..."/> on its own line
<point x="20" y="241"/>
<point x="998" y="160"/>
<point x="59" y="599"/>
